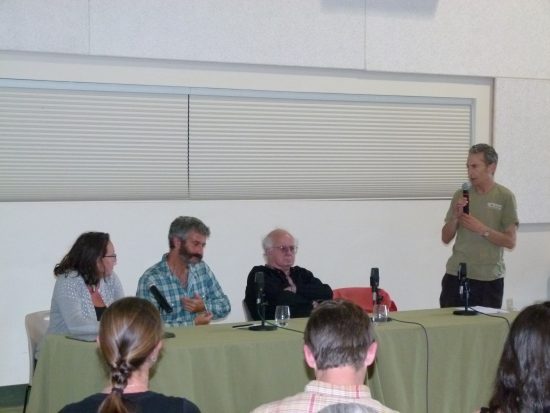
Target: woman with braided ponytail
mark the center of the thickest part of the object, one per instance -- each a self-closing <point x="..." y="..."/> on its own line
<point x="130" y="339"/>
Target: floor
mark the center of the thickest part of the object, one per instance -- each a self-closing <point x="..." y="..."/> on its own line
<point x="16" y="409"/>
<point x="12" y="398"/>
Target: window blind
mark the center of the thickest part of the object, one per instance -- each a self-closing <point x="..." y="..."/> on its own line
<point x="60" y="144"/>
<point x="92" y="145"/>
<point x="263" y="148"/>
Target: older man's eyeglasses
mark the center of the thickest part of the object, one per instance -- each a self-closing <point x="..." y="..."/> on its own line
<point x="110" y="256"/>
<point x="287" y="248"/>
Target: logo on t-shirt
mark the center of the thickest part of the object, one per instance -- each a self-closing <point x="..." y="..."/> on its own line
<point x="492" y="205"/>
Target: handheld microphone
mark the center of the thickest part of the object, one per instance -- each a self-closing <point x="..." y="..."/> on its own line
<point x="466" y="195"/>
<point x="374" y="281"/>
<point x="160" y="299"/>
<point x="260" y="283"/>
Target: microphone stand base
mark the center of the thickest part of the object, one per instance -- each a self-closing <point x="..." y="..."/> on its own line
<point x="465" y="312"/>
<point x="263" y="327"/>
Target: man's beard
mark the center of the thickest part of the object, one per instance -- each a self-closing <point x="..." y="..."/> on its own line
<point x="187" y="256"/>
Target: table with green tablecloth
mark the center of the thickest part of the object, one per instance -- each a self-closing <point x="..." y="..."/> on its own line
<point x="447" y="365"/>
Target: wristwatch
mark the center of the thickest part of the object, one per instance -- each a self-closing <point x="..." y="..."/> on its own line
<point x="485" y="234"/>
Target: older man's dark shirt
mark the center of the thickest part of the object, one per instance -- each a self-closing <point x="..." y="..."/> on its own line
<point x="308" y="289"/>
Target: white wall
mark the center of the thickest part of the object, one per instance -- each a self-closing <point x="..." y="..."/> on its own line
<point x="340" y="241"/>
<point x="500" y="38"/>
<point x="522" y="111"/>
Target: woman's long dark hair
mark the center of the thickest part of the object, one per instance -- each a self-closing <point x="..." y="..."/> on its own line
<point x="522" y="384"/>
<point x="83" y="257"/>
<point x="129" y="331"/>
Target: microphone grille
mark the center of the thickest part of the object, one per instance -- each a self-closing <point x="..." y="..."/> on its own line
<point x="374" y="272"/>
<point x="466" y="186"/>
<point x="259" y="278"/>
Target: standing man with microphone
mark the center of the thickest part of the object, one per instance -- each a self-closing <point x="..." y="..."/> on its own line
<point x="484" y="220"/>
<point x="182" y="285"/>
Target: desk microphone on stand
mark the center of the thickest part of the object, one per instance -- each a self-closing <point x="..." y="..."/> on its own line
<point x="260" y="304"/>
<point x="464" y="290"/>
<point x="376" y="296"/>
<point x="374" y="282"/>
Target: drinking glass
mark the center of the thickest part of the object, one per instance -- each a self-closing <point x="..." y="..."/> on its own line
<point x="282" y="315"/>
<point x="380" y="313"/>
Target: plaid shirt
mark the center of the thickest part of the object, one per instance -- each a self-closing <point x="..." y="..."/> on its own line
<point x="320" y="394"/>
<point x="201" y="281"/>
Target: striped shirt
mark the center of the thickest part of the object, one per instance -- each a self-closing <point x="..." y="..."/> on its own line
<point x="318" y="395"/>
<point x="201" y="281"/>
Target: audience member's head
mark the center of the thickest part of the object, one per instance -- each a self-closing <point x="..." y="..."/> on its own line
<point x="338" y="346"/>
<point x="130" y="334"/>
<point x="523" y="376"/>
<point x="280" y="249"/>
<point x="338" y="335"/>
<point x="91" y="256"/>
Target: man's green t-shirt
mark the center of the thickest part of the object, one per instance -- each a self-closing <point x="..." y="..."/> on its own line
<point x="484" y="260"/>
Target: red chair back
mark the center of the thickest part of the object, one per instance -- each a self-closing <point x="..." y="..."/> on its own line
<point x="362" y="296"/>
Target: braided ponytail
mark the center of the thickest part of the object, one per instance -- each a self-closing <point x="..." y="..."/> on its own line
<point x="129" y="331"/>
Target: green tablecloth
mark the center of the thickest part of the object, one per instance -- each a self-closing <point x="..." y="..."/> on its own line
<point x="229" y="370"/>
<point x="456" y="356"/>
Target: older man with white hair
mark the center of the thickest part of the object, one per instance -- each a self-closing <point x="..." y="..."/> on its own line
<point x="284" y="283"/>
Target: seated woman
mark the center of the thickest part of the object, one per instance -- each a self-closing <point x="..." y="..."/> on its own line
<point x="130" y="339"/>
<point x="85" y="285"/>
<point x="523" y="376"/>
